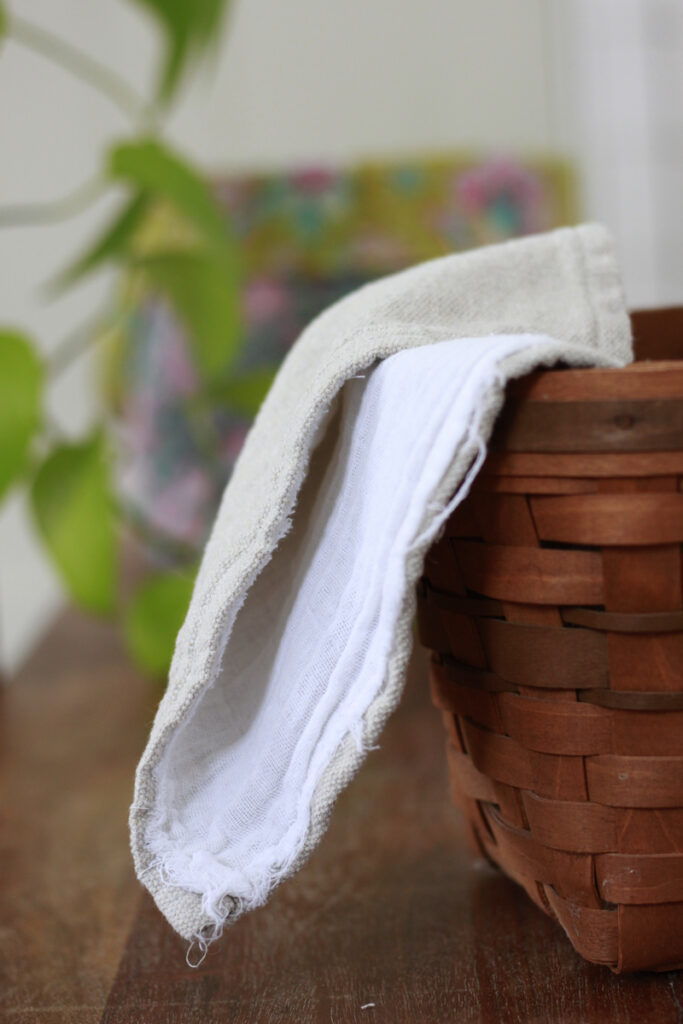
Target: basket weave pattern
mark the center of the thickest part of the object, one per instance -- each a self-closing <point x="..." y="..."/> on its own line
<point x="553" y="605"/>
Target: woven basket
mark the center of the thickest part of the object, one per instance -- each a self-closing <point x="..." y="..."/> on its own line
<point x="553" y="606"/>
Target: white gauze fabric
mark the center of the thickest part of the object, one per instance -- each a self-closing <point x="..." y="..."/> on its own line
<point x="310" y="646"/>
<point x="313" y="645"/>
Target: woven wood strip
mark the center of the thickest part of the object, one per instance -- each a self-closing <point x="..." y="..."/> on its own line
<point x="643" y="578"/>
<point x="533" y="485"/>
<point x="555" y="727"/>
<point x="440" y="600"/>
<point x="531" y="575"/>
<point x="532" y="887"/>
<point x="645" y="484"/>
<point x="551" y="727"/>
<point x="478" y="704"/>
<point x="636" y="579"/>
<point x="581" y="826"/>
<point x="593" y="933"/>
<point x="429" y="626"/>
<point x="658" y="333"/>
<point x="468" y="676"/>
<point x="441" y="567"/>
<point x="509" y="804"/>
<point x="650" y="937"/>
<point x="606" y="519"/>
<point x="464" y="639"/>
<point x="622" y="781"/>
<point x="592" y="828"/>
<point x="633" y="700"/>
<point x="624" y="622"/>
<point x="648" y="733"/>
<point x="536" y="656"/>
<point x="629" y="699"/>
<point x="588" y="465"/>
<point x="598" y="426"/>
<point x="453" y="731"/>
<point x="649" y="830"/>
<point x="628" y="878"/>
<point x="463" y="523"/>
<point x="571" y="874"/>
<point x="656" y="380"/>
<point x="471" y="782"/>
<point x="532" y="614"/>
<point x="561" y="778"/>
<point x="640" y="661"/>
<point x="507" y="520"/>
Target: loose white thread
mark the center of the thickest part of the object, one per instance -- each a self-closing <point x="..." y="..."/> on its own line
<point x="203" y="948"/>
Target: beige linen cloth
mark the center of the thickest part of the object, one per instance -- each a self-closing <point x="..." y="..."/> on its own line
<point x="237" y="783"/>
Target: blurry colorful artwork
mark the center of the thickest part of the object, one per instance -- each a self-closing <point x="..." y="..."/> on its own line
<point x="305" y="239"/>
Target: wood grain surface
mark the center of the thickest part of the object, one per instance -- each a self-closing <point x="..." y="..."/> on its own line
<point x="71" y="726"/>
<point x="392" y="920"/>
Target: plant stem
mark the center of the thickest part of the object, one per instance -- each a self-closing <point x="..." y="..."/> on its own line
<point x="77" y="342"/>
<point x="54" y="210"/>
<point x="107" y="82"/>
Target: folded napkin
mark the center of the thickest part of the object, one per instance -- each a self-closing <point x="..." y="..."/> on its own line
<point x="296" y="642"/>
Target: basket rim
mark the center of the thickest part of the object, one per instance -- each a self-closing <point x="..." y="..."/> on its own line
<point x="658" y="352"/>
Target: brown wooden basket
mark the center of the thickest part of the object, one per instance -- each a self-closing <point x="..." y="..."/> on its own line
<point x="553" y="605"/>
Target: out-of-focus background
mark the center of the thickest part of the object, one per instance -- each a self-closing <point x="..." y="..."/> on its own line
<point x="338" y="141"/>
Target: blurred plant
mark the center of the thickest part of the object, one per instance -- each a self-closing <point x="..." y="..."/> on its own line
<point x="71" y="484"/>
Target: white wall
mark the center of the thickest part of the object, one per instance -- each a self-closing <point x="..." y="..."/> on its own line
<point x="617" y="104"/>
<point x="342" y="80"/>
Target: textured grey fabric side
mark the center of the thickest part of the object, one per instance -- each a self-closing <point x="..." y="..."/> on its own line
<point x="564" y="284"/>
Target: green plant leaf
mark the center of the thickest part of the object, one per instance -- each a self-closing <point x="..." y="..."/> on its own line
<point x="153" y="618"/>
<point x="151" y="167"/>
<point x="207" y="300"/>
<point x="110" y="244"/>
<point x="74" y="511"/>
<point x="245" y="392"/>
<point x="189" y="26"/>
<point x="3" y="21"/>
<point x="21" y="385"/>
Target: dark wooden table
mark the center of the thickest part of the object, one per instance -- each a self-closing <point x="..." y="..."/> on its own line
<point x="391" y="921"/>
